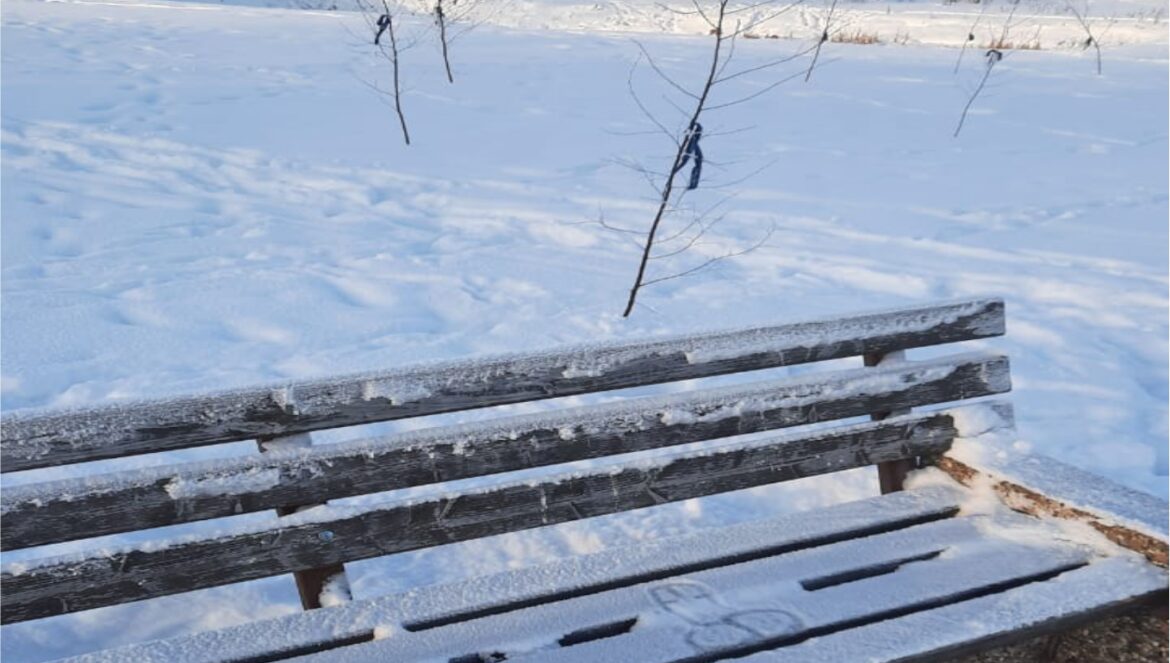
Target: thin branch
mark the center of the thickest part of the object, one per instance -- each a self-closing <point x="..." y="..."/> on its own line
<point x="1091" y="41"/>
<point x="670" y="102"/>
<point x="699" y="8"/>
<point x="767" y="65"/>
<point x="647" y="174"/>
<point x="691" y="242"/>
<point x="662" y="74"/>
<point x="729" y="56"/>
<point x="697" y="220"/>
<point x="679" y="156"/>
<point x="443" y="38"/>
<point x="631" y="231"/>
<point x="632" y="132"/>
<point x="993" y="57"/>
<point x="1007" y="25"/>
<point x="776" y="14"/>
<point x="764" y="19"/>
<point x="622" y="232"/>
<point x="765" y="90"/>
<point x="716" y="259"/>
<point x="749" y="7"/>
<point x="729" y="132"/>
<point x="824" y="38"/>
<point x="744" y="178"/>
<point x="642" y="107"/>
<point x="394" y="61"/>
<point x="970" y="36"/>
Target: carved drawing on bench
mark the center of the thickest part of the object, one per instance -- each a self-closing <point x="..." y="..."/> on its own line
<point x="717" y="626"/>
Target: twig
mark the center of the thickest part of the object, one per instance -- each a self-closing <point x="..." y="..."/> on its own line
<point x="642" y="107"/>
<point x="970" y="37"/>
<point x="993" y="57"/>
<point x="1091" y="40"/>
<point x="441" y="18"/>
<point x="824" y="38"/>
<point x="662" y="74"/>
<point x="716" y="259"/>
<point x="679" y="156"/>
<point x="767" y="65"/>
<point x="394" y="61"/>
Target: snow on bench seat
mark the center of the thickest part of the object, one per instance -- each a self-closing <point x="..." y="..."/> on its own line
<point x="1071" y="599"/>
<point x="915" y="575"/>
<point x="577" y="576"/>
<point x="757" y="605"/>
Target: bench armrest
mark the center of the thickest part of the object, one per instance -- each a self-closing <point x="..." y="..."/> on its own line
<point x="986" y="451"/>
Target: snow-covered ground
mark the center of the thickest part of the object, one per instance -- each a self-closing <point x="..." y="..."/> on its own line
<point x="202" y="196"/>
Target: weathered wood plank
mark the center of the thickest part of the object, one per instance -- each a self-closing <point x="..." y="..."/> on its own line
<point x="986" y="594"/>
<point x="66" y="510"/>
<point x="40" y="439"/>
<point x="581" y="575"/>
<point x="333" y="535"/>
<point x="729" y="612"/>
<point x="1080" y="596"/>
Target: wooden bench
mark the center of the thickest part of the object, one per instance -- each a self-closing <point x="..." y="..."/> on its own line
<point x="954" y="561"/>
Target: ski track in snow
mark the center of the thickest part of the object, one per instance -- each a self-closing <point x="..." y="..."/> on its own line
<point x="208" y="196"/>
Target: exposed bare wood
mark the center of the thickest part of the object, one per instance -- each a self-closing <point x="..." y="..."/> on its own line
<point x="1031" y="502"/>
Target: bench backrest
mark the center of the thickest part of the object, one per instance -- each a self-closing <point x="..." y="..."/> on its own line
<point x="289" y="475"/>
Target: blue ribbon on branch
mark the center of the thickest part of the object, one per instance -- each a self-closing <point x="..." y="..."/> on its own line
<point x="383" y="23"/>
<point x="691" y="149"/>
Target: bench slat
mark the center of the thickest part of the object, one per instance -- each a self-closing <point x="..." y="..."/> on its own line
<point x="37" y="439"/>
<point x="574" y="576"/>
<point x="329" y="535"/>
<point x="729" y="612"/>
<point x="1078" y="597"/>
<point x="891" y="549"/>
<point x="66" y="510"/>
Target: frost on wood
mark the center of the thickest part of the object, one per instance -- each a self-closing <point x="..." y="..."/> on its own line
<point x="1115" y="581"/>
<point x="934" y="559"/>
<point x="38" y="439"/>
<point x="767" y="592"/>
<point x="444" y="454"/>
<point x="349" y="533"/>
<point x="428" y="604"/>
<point x="251" y="480"/>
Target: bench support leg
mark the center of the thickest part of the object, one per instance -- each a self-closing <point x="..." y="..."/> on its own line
<point x="891" y="474"/>
<point x="310" y="582"/>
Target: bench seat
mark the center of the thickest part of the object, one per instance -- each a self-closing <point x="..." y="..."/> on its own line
<point x="912" y="575"/>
